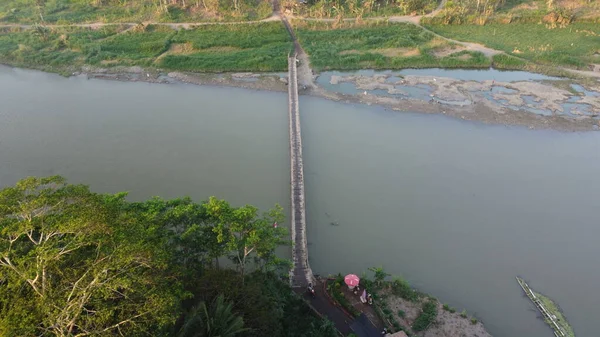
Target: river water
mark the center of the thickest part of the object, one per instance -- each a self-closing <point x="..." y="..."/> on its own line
<point x="457" y="208"/>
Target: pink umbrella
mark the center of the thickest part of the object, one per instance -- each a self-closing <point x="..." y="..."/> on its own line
<point x="351" y="280"/>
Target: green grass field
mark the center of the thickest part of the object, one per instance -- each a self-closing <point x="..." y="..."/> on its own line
<point x="251" y="47"/>
<point x="77" y="11"/>
<point x="576" y="45"/>
<point x="382" y="46"/>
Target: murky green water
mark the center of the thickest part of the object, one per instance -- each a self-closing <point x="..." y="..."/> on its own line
<point x="459" y="209"/>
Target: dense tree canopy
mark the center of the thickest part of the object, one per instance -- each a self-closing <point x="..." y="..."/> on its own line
<point x="78" y="263"/>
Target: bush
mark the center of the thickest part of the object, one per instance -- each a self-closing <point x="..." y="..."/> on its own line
<point x="334" y="290"/>
<point x="446" y="307"/>
<point x="463" y="314"/>
<point x="473" y="320"/>
<point x="401" y="313"/>
<point x="400" y="287"/>
<point x="426" y="317"/>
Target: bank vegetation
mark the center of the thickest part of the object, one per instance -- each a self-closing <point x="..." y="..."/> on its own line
<point x="77" y="263"/>
<point x="131" y="11"/>
<point x="210" y="48"/>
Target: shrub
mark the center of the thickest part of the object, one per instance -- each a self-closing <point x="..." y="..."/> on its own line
<point x="473" y="320"/>
<point x="401" y="313"/>
<point x="338" y="295"/>
<point x="426" y="317"/>
<point x="400" y="287"/>
<point x="463" y="314"/>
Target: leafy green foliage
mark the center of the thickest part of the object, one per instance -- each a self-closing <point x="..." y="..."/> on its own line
<point x="212" y="48"/>
<point x="73" y="262"/>
<point x="426" y="317"/>
<point x="219" y="321"/>
<point x="244" y="232"/>
<point x="402" y="288"/>
<point x="379" y="274"/>
<point x="82" y="264"/>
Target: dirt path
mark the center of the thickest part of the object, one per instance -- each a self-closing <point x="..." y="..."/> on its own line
<point x="304" y="72"/>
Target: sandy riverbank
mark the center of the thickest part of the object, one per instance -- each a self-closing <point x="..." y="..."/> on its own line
<point x="446" y="324"/>
<point x="467" y="100"/>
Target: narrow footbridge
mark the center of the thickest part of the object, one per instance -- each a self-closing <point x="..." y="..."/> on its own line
<point x="301" y="274"/>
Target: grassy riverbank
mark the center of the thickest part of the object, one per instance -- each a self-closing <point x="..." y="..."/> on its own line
<point x="576" y="45"/>
<point x="212" y="48"/>
<point x="381" y="45"/>
<point x="76" y="11"/>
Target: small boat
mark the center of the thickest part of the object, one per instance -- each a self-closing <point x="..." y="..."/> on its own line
<point x="549" y="310"/>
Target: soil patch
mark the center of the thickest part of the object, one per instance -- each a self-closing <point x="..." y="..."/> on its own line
<point x="181" y="48"/>
<point x="222" y="49"/>
<point x="448" y="51"/>
<point x="389" y="52"/>
<point x="446" y="324"/>
<point x="465" y="57"/>
<point x="108" y="62"/>
<point x="398" y="52"/>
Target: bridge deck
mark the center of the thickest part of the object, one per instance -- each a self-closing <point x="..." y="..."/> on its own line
<point x="301" y="273"/>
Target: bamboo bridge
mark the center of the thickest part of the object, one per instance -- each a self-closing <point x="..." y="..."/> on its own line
<point x="301" y="274"/>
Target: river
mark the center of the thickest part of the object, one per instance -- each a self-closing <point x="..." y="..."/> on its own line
<point x="457" y="208"/>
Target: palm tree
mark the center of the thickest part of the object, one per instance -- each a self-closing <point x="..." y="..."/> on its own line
<point x="219" y="321"/>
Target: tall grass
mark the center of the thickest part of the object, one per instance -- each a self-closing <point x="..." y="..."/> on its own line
<point x="77" y="11"/>
<point x="572" y="46"/>
<point x="251" y="47"/>
<point x="255" y="47"/>
<point x="380" y="46"/>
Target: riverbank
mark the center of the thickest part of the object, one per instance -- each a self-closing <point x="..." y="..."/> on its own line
<point x="487" y="101"/>
<point x="397" y="307"/>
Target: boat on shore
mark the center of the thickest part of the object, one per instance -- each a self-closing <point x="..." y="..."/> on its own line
<point x="549" y="310"/>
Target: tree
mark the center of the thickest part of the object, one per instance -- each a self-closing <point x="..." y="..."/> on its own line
<point x="244" y="232"/>
<point x="78" y="263"/>
<point x="380" y="274"/>
<point x="219" y="321"/>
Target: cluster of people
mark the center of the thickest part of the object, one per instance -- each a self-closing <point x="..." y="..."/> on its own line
<point x="364" y="297"/>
